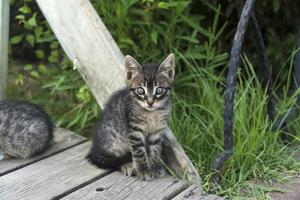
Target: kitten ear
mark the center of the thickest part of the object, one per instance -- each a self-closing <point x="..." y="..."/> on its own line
<point x="132" y="67"/>
<point x="167" y="67"/>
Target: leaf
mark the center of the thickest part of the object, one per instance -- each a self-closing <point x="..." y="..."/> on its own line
<point x="54" y="45"/>
<point x="16" y="39"/>
<point x="194" y="24"/>
<point x="163" y="5"/>
<point x="25" y="9"/>
<point x="35" y="74"/>
<point x="38" y="32"/>
<point x="27" y="26"/>
<point x="39" y="54"/>
<point x="190" y="39"/>
<point x="19" y="80"/>
<point x="43" y="69"/>
<point x="154" y="36"/>
<point x="53" y="56"/>
<point x="127" y="40"/>
<point x="30" y="39"/>
<point x="20" y="18"/>
<point x="32" y="20"/>
<point x="28" y="67"/>
<point x="46" y="39"/>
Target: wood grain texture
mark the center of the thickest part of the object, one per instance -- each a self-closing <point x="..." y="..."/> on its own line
<point x="88" y="43"/>
<point x="4" y="33"/>
<point x="51" y="176"/>
<point x="116" y="186"/>
<point x="196" y="193"/>
<point x="63" y="139"/>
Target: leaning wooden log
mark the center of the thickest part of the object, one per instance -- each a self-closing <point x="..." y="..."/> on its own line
<point x="230" y="88"/>
<point x="98" y="59"/>
<point x="85" y="39"/>
<point x="4" y="27"/>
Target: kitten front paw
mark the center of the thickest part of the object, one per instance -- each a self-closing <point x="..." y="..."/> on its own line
<point x="127" y="169"/>
<point x="145" y="176"/>
<point x="151" y="174"/>
<point x="160" y="173"/>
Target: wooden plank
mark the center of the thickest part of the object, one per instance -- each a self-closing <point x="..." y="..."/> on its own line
<point x="116" y="186"/>
<point x="63" y="139"/>
<point x="51" y="177"/>
<point x="288" y="191"/>
<point x="4" y="32"/>
<point x="88" y="43"/>
<point x="196" y="193"/>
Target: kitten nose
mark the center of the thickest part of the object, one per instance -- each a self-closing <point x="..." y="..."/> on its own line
<point x="150" y="102"/>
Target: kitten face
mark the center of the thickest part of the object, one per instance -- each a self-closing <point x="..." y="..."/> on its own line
<point x="150" y="84"/>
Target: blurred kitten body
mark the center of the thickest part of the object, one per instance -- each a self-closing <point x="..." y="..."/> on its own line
<point x="25" y="129"/>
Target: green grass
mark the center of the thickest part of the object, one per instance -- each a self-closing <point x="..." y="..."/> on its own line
<point x="149" y="30"/>
<point x="259" y="153"/>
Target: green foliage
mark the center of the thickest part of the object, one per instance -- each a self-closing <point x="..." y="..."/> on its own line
<point x="259" y="155"/>
<point x="200" y="34"/>
<point x="159" y="27"/>
<point x="30" y="31"/>
<point x="47" y="72"/>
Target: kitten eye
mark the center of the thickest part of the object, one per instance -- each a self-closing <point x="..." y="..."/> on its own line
<point x="140" y="91"/>
<point x="159" y="90"/>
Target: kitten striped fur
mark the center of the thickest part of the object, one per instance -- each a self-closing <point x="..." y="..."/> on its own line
<point x="25" y="129"/>
<point x="129" y="133"/>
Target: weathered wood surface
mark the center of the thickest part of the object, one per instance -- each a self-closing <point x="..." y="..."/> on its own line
<point x="88" y="43"/>
<point x="50" y="177"/>
<point x="116" y="186"/>
<point x="4" y="29"/>
<point x="196" y="193"/>
<point x="68" y="175"/>
<point x="290" y="190"/>
<point x="63" y="139"/>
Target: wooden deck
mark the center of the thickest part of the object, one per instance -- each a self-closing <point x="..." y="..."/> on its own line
<point x="63" y="173"/>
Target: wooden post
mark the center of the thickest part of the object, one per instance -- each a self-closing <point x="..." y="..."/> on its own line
<point x="4" y="30"/>
<point x="88" y="43"/>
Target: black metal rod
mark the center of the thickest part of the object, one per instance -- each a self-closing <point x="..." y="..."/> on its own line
<point x="230" y="89"/>
<point x="264" y="66"/>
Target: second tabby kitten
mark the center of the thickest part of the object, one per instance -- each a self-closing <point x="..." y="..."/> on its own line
<point x="25" y="129"/>
<point x="129" y="133"/>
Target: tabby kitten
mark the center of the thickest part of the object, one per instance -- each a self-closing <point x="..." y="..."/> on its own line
<point x="25" y="129"/>
<point x="129" y="133"/>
